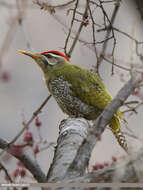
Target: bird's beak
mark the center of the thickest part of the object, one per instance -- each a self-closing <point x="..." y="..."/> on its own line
<point x="34" y="56"/>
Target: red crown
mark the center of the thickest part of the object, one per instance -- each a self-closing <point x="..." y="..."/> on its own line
<point x="56" y="52"/>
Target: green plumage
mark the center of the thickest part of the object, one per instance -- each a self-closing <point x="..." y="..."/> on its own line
<point x="78" y="91"/>
<point x="89" y="88"/>
<point x="85" y="85"/>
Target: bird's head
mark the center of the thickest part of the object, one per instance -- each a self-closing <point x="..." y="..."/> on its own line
<point x="48" y="59"/>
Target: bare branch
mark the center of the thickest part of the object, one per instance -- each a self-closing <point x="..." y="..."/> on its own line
<point x="73" y="133"/>
<point x="128" y="173"/>
<point x="114" y="14"/>
<point x="47" y="6"/>
<point x="93" y="33"/>
<point x="70" y="29"/>
<point x="6" y="172"/>
<point x="35" y="114"/>
<point x="79" y="30"/>
<point x="30" y="164"/>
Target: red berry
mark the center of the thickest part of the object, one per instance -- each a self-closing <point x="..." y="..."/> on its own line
<point x="36" y="149"/>
<point x="114" y="159"/>
<point x="101" y="166"/>
<point x="37" y="122"/>
<point x="98" y="166"/>
<point x="5" y="76"/>
<point x="135" y="92"/>
<point x="22" y="172"/>
<point x="28" y="137"/>
<point x="15" y="173"/>
<point x="95" y="167"/>
<point x="16" y="150"/>
<point x="99" y="138"/>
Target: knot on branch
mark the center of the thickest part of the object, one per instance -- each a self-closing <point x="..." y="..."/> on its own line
<point x="79" y="126"/>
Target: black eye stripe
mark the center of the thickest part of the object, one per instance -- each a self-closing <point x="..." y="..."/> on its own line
<point x="45" y="60"/>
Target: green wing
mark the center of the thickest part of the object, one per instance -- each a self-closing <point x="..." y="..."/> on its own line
<point x="87" y="86"/>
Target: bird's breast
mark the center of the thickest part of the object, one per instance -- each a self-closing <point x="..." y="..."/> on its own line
<point x="66" y="98"/>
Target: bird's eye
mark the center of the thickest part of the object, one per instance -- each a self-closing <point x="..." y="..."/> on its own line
<point x="50" y="60"/>
<point x="48" y="56"/>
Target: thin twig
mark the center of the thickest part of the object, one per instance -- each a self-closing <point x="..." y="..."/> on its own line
<point x="93" y="32"/>
<point x="35" y="114"/>
<point x="47" y="5"/>
<point x="114" y="14"/>
<point x="70" y="29"/>
<point x="133" y="109"/>
<point x="79" y="30"/>
<point x="131" y="102"/>
<point x="120" y="66"/>
<point x="137" y="43"/>
<point x="6" y="172"/>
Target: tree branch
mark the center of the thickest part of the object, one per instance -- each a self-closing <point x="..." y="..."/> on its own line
<point x="73" y="133"/>
<point x="107" y="174"/>
<point x="30" y="164"/>
<point x="79" y="30"/>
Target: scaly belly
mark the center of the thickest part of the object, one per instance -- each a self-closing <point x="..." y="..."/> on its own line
<point x="70" y="104"/>
<point x="76" y="108"/>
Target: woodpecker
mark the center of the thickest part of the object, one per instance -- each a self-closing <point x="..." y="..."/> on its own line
<point x="78" y="91"/>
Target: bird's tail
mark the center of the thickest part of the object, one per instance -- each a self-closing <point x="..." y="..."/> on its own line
<point x="116" y="129"/>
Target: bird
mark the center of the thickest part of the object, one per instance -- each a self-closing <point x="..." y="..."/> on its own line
<point x="78" y="91"/>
